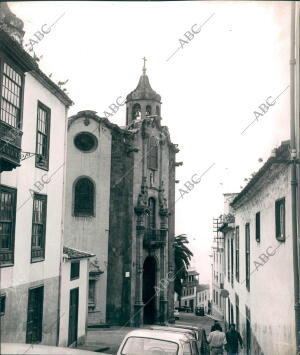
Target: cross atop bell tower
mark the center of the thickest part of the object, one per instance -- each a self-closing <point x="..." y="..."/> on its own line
<point x="144" y="67"/>
<point x="143" y="101"/>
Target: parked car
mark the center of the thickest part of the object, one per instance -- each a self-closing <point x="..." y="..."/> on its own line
<point x="181" y="309"/>
<point x="21" y="348"/>
<point x="187" y="309"/>
<point x="158" y="342"/>
<point x="177" y="329"/>
<point x="199" y="311"/>
<point x="176" y="313"/>
<point x="196" y="332"/>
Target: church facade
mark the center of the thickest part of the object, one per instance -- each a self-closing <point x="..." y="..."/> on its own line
<point x="142" y="205"/>
<point x="120" y="199"/>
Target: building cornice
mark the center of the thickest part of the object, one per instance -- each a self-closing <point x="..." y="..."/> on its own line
<point x="25" y="61"/>
<point x="271" y="168"/>
<point x="89" y="114"/>
<point x="16" y="52"/>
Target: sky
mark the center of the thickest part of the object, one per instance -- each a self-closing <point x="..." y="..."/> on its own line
<point x="236" y="60"/>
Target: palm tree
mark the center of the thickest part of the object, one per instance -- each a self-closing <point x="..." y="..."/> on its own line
<point x="183" y="256"/>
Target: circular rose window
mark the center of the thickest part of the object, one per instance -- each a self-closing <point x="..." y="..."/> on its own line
<point x="86" y="142"/>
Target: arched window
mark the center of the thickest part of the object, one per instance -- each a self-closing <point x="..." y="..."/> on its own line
<point x="153" y="154"/>
<point x="84" y="192"/>
<point x="136" y="111"/>
<point x="148" y="110"/>
<point x="152" y="213"/>
<point x="157" y="111"/>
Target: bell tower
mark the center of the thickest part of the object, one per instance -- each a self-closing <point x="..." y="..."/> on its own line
<point x="143" y="101"/>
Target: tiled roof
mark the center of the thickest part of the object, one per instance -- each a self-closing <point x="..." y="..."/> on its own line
<point x="71" y="253"/>
<point x="282" y="154"/>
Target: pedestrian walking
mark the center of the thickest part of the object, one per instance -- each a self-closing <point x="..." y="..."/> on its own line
<point x="233" y="338"/>
<point x="217" y="340"/>
<point x="204" y="347"/>
<point x="216" y="326"/>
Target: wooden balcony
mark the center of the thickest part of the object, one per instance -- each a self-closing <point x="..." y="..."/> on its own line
<point x="193" y="283"/>
<point x="10" y="147"/>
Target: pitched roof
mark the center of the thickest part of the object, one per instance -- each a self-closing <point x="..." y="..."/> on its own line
<point x="71" y="253"/>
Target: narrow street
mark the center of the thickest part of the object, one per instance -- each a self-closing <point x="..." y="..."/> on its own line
<point x="191" y="319"/>
<point x="108" y="340"/>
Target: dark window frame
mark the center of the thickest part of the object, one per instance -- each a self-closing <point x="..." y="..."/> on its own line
<point x="80" y="212"/>
<point x="42" y="161"/>
<point x="38" y="252"/>
<point x="257" y="227"/>
<point x="8" y="260"/>
<point x="153" y="153"/>
<point x="278" y="228"/>
<point x="40" y="328"/>
<point x="88" y="134"/>
<point x="237" y="253"/>
<point x="152" y="213"/>
<point x="247" y="255"/>
<point x="2" y="304"/>
<point x="16" y="68"/>
<point x="75" y="271"/>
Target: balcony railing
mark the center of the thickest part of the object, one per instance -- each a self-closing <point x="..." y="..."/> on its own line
<point x="193" y="283"/>
<point x="154" y="238"/>
<point x="10" y="147"/>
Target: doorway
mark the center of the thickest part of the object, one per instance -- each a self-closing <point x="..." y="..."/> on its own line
<point x="73" y="316"/>
<point x="35" y="315"/>
<point x="149" y="295"/>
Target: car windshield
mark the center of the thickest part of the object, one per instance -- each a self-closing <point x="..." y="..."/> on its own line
<point x="149" y="346"/>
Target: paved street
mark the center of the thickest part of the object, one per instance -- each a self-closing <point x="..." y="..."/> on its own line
<point x="109" y="339"/>
<point x="191" y="319"/>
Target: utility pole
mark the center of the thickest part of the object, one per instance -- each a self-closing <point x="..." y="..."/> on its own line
<point x="294" y="138"/>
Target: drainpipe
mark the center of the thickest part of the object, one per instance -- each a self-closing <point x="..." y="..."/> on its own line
<point x="62" y="234"/>
<point x="294" y="179"/>
<point x="297" y="111"/>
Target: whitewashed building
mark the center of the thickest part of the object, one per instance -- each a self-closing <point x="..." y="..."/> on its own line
<point x="258" y="260"/>
<point x="32" y="144"/>
<point x="203" y="298"/>
<point x="74" y="295"/>
<point x="88" y="200"/>
<point x="217" y="278"/>
<point x="189" y="290"/>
